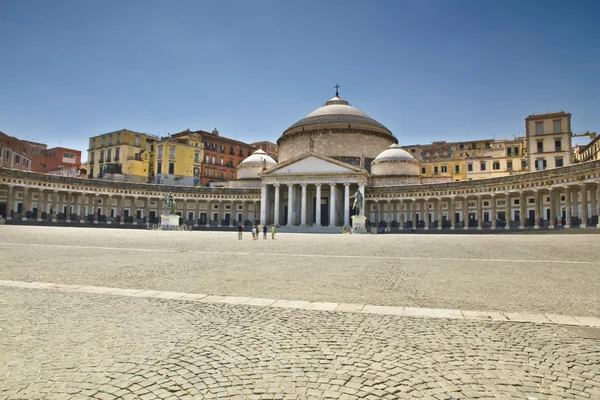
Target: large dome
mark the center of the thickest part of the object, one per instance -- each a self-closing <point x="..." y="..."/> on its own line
<point x="336" y="130"/>
<point x="394" y="153"/>
<point x="394" y="161"/>
<point x="253" y="165"/>
<point x="337" y="110"/>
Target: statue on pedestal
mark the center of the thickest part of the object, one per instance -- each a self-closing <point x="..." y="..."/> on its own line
<point x="168" y="204"/>
<point x="358" y="202"/>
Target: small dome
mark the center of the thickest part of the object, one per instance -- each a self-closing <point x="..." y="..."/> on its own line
<point x="393" y="153"/>
<point x="258" y="158"/>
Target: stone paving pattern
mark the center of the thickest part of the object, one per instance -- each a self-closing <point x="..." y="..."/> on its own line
<point x="68" y="344"/>
<point x="437" y="271"/>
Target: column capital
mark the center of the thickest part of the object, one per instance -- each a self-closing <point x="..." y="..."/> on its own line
<point x="332" y="184"/>
<point x="318" y="184"/>
<point x="276" y="185"/>
<point x="304" y="184"/>
<point x="346" y="184"/>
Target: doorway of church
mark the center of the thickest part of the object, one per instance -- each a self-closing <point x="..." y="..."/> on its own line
<point x="324" y="211"/>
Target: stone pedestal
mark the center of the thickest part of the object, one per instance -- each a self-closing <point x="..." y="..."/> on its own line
<point x="358" y="224"/>
<point x="169" y="222"/>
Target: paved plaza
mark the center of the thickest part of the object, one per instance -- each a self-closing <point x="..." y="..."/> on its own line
<point x="146" y="314"/>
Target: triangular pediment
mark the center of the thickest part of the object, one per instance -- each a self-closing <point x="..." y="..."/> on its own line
<point x="312" y="164"/>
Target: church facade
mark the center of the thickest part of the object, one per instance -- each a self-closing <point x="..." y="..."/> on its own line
<point x="324" y="160"/>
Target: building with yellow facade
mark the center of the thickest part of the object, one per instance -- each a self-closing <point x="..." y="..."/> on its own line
<point x="548" y="138"/>
<point x="178" y="159"/>
<point x="122" y="155"/>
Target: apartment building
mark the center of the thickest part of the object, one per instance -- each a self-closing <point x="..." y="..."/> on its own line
<point x="548" y="138"/>
<point x="15" y="153"/>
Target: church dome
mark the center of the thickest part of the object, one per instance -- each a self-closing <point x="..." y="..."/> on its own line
<point x="254" y="164"/>
<point x="337" y="110"/>
<point x="395" y="161"/>
<point x="336" y="130"/>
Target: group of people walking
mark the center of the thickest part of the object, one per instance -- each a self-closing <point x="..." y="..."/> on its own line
<point x="256" y="231"/>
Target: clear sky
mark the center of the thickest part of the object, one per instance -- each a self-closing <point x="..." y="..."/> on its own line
<point x="429" y="70"/>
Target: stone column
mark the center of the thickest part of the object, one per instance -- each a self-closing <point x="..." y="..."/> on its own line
<point x="25" y="206"/>
<point x="413" y="208"/>
<point x="522" y="210"/>
<point x="244" y="212"/>
<point x="69" y="205"/>
<point x="440" y="216"/>
<point x="94" y="207"/>
<point x="390" y="213"/>
<point x="41" y="201"/>
<point x="55" y="206"/>
<point x="318" y="206"/>
<point x="263" y="211"/>
<point x="552" y="194"/>
<point x="538" y="206"/>
<point x="575" y="204"/>
<point x="479" y="213"/>
<point x="465" y="207"/>
<point x="290" y="205"/>
<point x="303" y="206"/>
<point x="108" y="207"/>
<point x="567" y="223"/>
<point x="593" y="202"/>
<point x="401" y="215"/>
<point x="263" y="205"/>
<point x="426" y="213"/>
<point x="134" y="210"/>
<point x="209" y="212"/>
<point x="494" y="216"/>
<point x="346" y="204"/>
<point x="452" y="212"/>
<point x="147" y="210"/>
<point x="508" y="205"/>
<point x="584" y="206"/>
<point x="276" y="221"/>
<point x="332" y="208"/>
<point x="82" y="201"/>
<point x="10" y="203"/>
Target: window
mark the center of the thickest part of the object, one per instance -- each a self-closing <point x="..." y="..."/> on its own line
<point x="516" y="150"/>
<point x="93" y="143"/>
<point x="509" y="151"/>
<point x="509" y="165"/>
<point x="91" y="157"/>
<point x="540" y="146"/>
<point x="108" y="154"/>
<point x="539" y="128"/>
<point x="118" y="138"/>
<point x="470" y="167"/>
<point x="457" y="169"/>
<point x="487" y="145"/>
<point x="482" y="166"/>
<point x="159" y="167"/>
<point x="196" y="172"/>
<point x="232" y="175"/>
<point x="171" y="152"/>
<point x="207" y="159"/>
<point x="196" y="157"/>
<point x="69" y="155"/>
<point x="222" y="161"/>
<point x="423" y="170"/>
<point x="101" y="155"/>
<point x="102" y="142"/>
<point x="110" y="140"/>
<point x="214" y="146"/>
<point x="231" y="150"/>
<point x="444" y="168"/>
<point x="213" y="160"/>
<point x="496" y="165"/>
<point x="461" y="146"/>
<point x="117" y="151"/>
<point x="160" y="151"/>
<point x="137" y="140"/>
<point x="214" y="173"/>
<point x="222" y="148"/>
<point x="540" y="164"/>
<point x="435" y="170"/>
<point x="557" y="127"/>
<point x="223" y="175"/>
<point x="559" y="162"/>
<point x="241" y="153"/>
<point x="557" y="145"/>
<point x="171" y="168"/>
<point x="523" y="164"/>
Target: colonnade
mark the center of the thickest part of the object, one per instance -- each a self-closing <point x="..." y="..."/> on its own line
<point x="72" y="206"/>
<point x="301" y="204"/>
<point x="566" y="206"/>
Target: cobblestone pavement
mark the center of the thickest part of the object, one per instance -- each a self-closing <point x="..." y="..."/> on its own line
<point x="543" y="274"/>
<point x="68" y="344"/>
<point x="57" y="345"/>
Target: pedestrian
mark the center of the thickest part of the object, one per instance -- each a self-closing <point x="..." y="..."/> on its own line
<point x="273" y="232"/>
<point x="240" y="229"/>
<point x="254" y="232"/>
<point x="265" y="231"/>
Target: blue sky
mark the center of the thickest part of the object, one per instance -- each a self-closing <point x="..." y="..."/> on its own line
<point x="428" y="70"/>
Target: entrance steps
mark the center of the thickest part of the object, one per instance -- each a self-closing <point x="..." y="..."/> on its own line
<point x="308" y="229"/>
